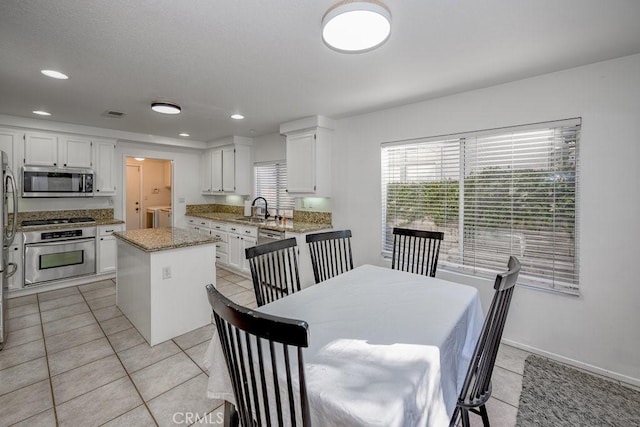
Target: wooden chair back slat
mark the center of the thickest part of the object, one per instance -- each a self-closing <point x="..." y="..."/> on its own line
<point x="263" y="354"/>
<point x="416" y="251"/>
<point x="330" y="253"/>
<point x="274" y="270"/>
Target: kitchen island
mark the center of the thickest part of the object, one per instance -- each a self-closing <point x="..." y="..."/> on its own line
<point x="161" y="278"/>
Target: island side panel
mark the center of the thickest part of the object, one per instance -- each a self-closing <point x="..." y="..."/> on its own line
<point x="133" y="287"/>
<point x="179" y="303"/>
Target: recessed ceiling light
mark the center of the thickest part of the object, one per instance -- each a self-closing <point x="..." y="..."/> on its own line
<point x="165" y="107"/>
<point x="356" y="26"/>
<point x="237" y="116"/>
<point x="184" y="134"/>
<point x="41" y="113"/>
<point x="54" y="74"/>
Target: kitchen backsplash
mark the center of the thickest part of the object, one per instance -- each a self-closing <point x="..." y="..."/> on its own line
<point x="97" y="214"/>
<point x="310" y="217"/>
<point x="213" y="207"/>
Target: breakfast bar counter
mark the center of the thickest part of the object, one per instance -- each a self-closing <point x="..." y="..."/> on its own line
<point x="161" y="278"/>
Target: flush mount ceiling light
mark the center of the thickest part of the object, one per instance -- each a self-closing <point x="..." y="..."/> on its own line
<point x="140" y="159"/>
<point x="54" y="74"/>
<point x="237" y="116"/>
<point x="356" y="26"/>
<point x="165" y="107"/>
<point x="41" y="113"/>
<point x="184" y="134"/>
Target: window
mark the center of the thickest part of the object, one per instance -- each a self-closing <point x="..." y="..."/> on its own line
<point x="271" y="183"/>
<point x="494" y="193"/>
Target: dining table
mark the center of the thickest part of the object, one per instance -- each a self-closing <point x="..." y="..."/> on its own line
<point x="386" y="347"/>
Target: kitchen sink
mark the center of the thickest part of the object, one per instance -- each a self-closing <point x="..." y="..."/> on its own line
<point x="252" y="220"/>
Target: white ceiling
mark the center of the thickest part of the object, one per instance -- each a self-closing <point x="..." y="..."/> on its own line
<point x="266" y="60"/>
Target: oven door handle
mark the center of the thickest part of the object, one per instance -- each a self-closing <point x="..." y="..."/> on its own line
<point x="60" y="242"/>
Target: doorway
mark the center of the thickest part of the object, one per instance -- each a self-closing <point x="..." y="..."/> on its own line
<point x="134" y="191"/>
<point x="148" y="193"/>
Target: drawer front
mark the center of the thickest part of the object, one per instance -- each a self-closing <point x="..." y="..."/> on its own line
<point x="243" y="231"/>
<point x="203" y="223"/>
<point x="222" y="248"/>
<point x="220" y="234"/>
<point x="219" y="226"/>
<point x="108" y="230"/>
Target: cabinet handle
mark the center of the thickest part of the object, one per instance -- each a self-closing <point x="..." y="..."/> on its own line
<point x="65" y="165"/>
<point x="55" y="164"/>
<point x="102" y="238"/>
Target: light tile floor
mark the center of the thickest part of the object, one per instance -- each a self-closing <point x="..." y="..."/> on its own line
<point x="72" y="358"/>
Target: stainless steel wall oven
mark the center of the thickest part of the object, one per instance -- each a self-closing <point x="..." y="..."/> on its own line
<point x="59" y="254"/>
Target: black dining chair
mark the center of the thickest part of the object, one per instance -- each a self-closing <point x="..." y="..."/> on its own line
<point x="262" y="352"/>
<point x="416" y="251"/>
<point x="274" y="270"/>
<point x="476" y="388"/>
<point x="330" y="253"/>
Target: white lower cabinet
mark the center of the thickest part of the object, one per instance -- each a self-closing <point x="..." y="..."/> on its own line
<point x="241" y="238"/>
<point x="107" y="248"/>
<point x="219" y="230"/>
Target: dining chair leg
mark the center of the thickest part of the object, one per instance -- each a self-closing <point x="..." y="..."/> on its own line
<point x="484" y="415"/>
<point x="454" y="418"/>
<point x="465" y="418"/>
<point x="230" y="415"/>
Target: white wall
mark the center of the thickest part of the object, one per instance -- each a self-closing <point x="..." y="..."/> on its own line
<point x="599" y="328"/>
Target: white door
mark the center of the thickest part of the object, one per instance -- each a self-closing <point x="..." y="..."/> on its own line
<point x="133" y="197"/>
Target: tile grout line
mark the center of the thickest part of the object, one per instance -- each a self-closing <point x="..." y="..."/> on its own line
<point x="125" y="370"/>
<point x="46" y="358"/>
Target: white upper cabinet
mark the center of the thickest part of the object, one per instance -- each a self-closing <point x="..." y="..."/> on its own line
<point x="309" y="156"/>
<point x="74" y="152"/>
<point x="216" y="171"/>
<point x="10" y="143"/>
<point x="205" y="168"/>
<point x="104" y="182"/>
<point x="301" y="163"/>
<point x="40" y="149"/>
<point x="46" y="149"/>
<point x="227" y="169"/>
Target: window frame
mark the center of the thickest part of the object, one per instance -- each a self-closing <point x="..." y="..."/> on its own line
<point x="571" y="286"/>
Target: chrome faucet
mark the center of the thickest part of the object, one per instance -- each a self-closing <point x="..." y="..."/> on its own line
<point x="266" y="210"/>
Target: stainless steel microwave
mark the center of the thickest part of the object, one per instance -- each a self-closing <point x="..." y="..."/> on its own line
<point x="56" y="182"/>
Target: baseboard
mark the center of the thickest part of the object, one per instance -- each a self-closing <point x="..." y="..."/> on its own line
<point x="83" y="280"/>
<point x="627" y="380"/>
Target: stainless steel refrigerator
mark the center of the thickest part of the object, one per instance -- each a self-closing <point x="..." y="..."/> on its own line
<point x="8" y="233"/>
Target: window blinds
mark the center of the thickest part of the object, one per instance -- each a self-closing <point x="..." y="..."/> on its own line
<point x="495" y="193"/>
<point x="271" y="183"/>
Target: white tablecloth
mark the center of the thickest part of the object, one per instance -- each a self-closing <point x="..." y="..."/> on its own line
<point x="387" y="348"/>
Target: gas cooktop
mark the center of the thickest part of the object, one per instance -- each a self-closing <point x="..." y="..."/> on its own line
<point x="57" y="221"/>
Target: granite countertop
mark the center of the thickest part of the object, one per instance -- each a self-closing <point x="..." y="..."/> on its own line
<point x="160" y="239"/>
<point x="97" y="222"/>
<point x="290" y="226"/>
